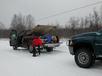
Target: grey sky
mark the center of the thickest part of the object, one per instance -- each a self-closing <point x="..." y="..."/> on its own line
<point x="42" y="8"/>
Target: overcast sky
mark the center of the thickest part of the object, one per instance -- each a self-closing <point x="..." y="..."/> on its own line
<point x="42" y="8"/>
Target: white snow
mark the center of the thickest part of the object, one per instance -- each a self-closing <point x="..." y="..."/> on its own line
<point x="57" y="63"/>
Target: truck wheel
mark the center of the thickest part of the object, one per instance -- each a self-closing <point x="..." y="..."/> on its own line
<point x="49" y="49"/>
<point x="84" y="58"/>
<point x="14" y="47"/>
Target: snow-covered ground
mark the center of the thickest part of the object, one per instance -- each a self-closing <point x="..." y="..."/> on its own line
<point x="57" y="63"/>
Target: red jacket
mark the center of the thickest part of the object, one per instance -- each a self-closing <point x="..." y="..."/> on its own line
<point x="37" y="42"/>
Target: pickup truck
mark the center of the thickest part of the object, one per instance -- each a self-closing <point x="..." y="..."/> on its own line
<point x="86" y="48"/>
<point x="23" y="39"/>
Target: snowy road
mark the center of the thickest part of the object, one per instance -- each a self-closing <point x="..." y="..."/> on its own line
<point x="57" y="63"/>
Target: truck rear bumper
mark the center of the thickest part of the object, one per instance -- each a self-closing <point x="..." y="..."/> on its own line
<point x="52" y="45"/>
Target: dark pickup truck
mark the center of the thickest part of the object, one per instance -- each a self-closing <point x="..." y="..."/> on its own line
<point x="86" y="48"/>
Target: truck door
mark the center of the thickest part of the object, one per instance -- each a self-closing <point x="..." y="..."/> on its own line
<point x="98" y="44"/>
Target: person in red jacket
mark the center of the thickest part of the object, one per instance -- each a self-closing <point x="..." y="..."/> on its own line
<point x="37" y="42"/>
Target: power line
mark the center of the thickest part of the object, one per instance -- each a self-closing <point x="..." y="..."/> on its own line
<point x="68" y="11"/>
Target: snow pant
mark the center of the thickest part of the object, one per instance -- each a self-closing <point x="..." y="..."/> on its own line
<point x="36" y="50"/>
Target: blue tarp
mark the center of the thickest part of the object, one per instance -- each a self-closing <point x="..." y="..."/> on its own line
<point x="48" y="38"/>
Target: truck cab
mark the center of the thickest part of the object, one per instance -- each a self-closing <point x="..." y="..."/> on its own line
<point x="86" y="48"/>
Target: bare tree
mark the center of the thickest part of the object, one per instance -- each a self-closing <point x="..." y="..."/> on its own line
<point x="96" y="19"/>
<point x="74" y="22"/>
<point x="82" y="23"/>
<point x="17" y="23"/>
<point x="2" y="26"/>
<point x="29" y="22"/>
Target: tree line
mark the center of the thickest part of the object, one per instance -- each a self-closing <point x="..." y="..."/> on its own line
<point x="90" y="23"/>
<point x="19" y="23"/>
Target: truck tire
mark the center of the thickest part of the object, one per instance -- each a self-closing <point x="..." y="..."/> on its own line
<point x="84" y="58"/>
<point x="49" y="49"/>
<point x="14" y="47"/>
